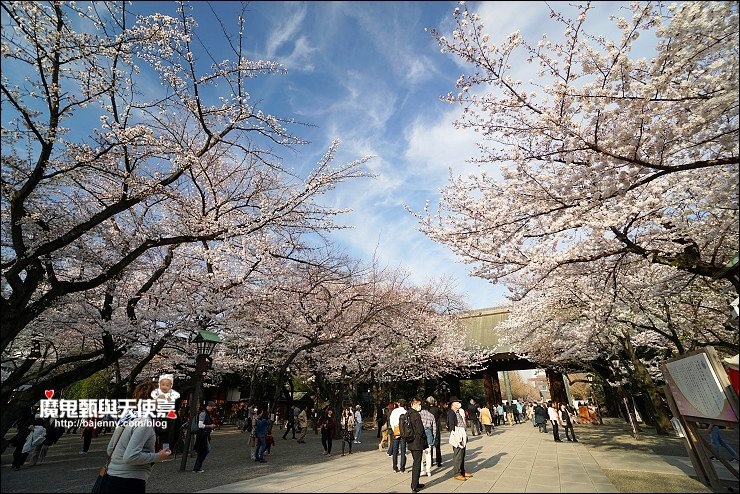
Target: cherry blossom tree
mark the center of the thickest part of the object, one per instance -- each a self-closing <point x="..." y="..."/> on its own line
<point x="642" y="314"/>
<point x="129" y="151"/>
<point x="607" y="151"/>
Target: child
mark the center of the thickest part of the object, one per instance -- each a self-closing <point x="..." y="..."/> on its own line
<point x="165" y="391"/>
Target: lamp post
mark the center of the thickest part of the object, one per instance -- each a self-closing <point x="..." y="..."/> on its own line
<point x="205" y="342"/>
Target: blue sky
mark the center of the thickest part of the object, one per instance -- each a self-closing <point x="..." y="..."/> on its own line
<point x="368" y="74"/>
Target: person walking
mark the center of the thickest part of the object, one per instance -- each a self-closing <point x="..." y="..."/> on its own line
<point x="35" y="437"/>
<point x="347" y="428"/>
<point x="388" y="429"/>
<point x="261" y="428"/>
<point x="718" y="442"/>
<point x="458" y="438"/>
<point x="540" y="417"/>
<point x="290" y="423"/>
<point x="554" y="416"/>
<point x="430" y="431"/>
<point x="485" y="418"/>
<point x="380" y="419"/>
<point x="131" y="450"/>
<point x="358" y="423"/>
<point x="473" y="418"/>
<point x="398" y="444"/>
<point x="436" y="447"/>
<point x="418" y="444"/>
<point x="567" y="423"/>
<point x="87" y="435"/>
<point x="241" y="416"/>
<point x="501" y="418"/>
<point x="303" y="424"/>
<point x="203" y="436"/>
<point x="328" y="426"/>
<point x="51" y="437"/>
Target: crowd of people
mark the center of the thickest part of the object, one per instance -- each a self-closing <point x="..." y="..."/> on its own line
<point x="413" y="427"/>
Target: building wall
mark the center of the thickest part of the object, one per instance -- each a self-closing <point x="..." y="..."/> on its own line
<point x="481" y="324"/>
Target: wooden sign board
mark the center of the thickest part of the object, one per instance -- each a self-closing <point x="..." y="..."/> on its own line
<point x="698" y="390"/>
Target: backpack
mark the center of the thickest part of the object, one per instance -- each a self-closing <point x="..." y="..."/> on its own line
<point x="405" y="427"/>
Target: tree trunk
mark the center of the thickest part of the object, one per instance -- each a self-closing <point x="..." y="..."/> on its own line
<point x="645" y="382"/>
<point x="557" y="386"/>
<point x="492" y="386"/>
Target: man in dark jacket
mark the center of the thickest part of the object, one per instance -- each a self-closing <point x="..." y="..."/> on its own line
<point x="418" y="444"/>
<point x="540" y="417"/>
<point x="475" y="428"/>
<point x="437" y="446"/>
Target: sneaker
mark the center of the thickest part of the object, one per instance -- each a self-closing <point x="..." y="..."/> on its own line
<point x="323" y="453"/>
<point x="467" y="475"/>
<point x="396" y="470"/>
<point x="460" y="477"/>
<point x="198" y="471"/>
<point x="328" y="454"/>
<point x="429" y="474"/>
<point x="83" y="452"/>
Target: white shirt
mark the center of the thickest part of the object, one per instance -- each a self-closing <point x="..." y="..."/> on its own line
<point x="395" y="416"/>
<point x="358" y="417"/>
<point x="553" y="414"/>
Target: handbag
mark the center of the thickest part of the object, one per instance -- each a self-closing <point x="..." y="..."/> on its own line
<point x="102" y="470"/>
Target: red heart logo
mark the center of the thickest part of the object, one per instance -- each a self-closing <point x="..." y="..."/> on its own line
<point x="49" y="393"/>
<point x="171" y="414"/>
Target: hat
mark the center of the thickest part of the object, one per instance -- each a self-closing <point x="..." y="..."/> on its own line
<point x="211" y="404"/>
<point x="167" y="376"/>
<point x="455" y="398"/>
<point x="358" y="407"/>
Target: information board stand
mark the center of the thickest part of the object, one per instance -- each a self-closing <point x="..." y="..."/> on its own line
<point x="698" y="390"/>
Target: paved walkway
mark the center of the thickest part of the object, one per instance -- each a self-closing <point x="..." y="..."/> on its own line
<point x="515" y="459"/>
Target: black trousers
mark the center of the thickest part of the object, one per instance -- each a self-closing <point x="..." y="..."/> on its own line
<point x="415" y="468"/>
<point x="113" y="484"/>
<point x="87" y="439"/>
<point x="572" y="432"/>
<point x="326" y="440"/>
<point x="555" y="430"/>
<point x="289" y="427"/>
<point x="438" y="449"/>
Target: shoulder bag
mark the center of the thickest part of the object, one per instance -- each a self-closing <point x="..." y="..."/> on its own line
<point x="102" y="470"/>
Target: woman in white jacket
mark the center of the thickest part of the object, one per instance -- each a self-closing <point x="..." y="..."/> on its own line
<point x="35" y="437"/>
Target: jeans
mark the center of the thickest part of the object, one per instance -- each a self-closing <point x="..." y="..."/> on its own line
<point x="398" y="445"/>
<point x="358" y="431"/>
<point x="261" y="446"/>
<point x="717" y="441"/>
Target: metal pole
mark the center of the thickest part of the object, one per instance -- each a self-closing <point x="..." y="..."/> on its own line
<point x="200" y="368"/>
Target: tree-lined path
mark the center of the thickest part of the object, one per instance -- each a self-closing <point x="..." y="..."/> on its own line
<point x="515" y="459"/>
